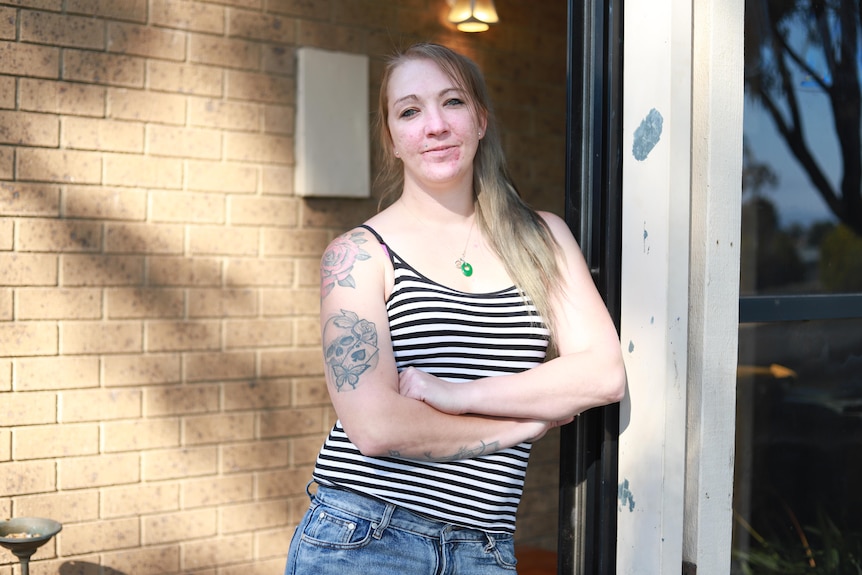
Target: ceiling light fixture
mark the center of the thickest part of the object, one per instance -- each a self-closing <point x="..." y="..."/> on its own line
<point x="473" y="15"/>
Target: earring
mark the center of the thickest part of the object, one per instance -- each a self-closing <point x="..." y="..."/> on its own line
<point x="397" y="154"/>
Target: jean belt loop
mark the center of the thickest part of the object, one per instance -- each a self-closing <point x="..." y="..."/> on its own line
<point x="491" y="543"/>
<point x="384" y="521"/>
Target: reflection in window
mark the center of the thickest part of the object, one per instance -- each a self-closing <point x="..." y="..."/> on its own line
<point x="798" y="474"/>
<point x="802" y="174"/>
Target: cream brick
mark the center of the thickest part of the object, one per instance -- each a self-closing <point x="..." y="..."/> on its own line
<point x="223" y="52"/>
<point x="94" y="337"/>
<point x="52" y="373"/>
<point x="133" y="10"/>
<point x="219" y="366"/>
<point x="250" y="517"/>
<point x="144" y="560"/>
<point x="279" y="119"/>
<point x="292" y="242"/>
<point x="185" y="78"/>
<point x="181" y="400"/>
<point x="31" y="338"/>
<point x="262" y="211"/>
<point x="266" y="394"/>
<point x="277" y="180"/>
<point x="6" y="313"/>
<point x="26" y="477"/>
<point x="145" y="303"/>
<point x="146" y="106"/>
<point x="212" y="491"/>
<point x="59" y="303"/>
<point x="308" y="272"/>
<point x="28" y="269"/>
<point x="101" y="270"/>
<point x="218" y="428"/>
<point x="45" y="441"/>
<point x="26" y="129"/>
<point x="143" y="171"/>
<point x="221" y="177"/>
<point x="7" y="162"/>
<point x="183" y="335"/>
<point x="173" y="271"/>
<point x="62" y="30"/>
<point x="98" y="471"/>
<point x="292" y="422"/>
<point x="196" y="143"/>
<point x="32" y="408"/>
<point x="99" y="405"/>
<point x="277" y="302"/>
<point x="330" y="37"/>
<point x="307" y="332"/>
<point x="213" y="113"/>
<point x="65" y="507"/>
<point x="144" y="238"/>
<point x="105" y="203"/>
<point x="180" y="463"/>
<point x="142" y="370"/>
<point x="321" y="213"/>
<point x="107" y="135"/>
<point x="188" y="207"/>
<point x="19" y="59"/>
<point x="61" y="97"/>
<point x="100" y="68"/>
<point x="17" y="199"/>
<point x="102" y="535"/>
<point x="140" y="499"/>
<point x="258" y="333"/>
<point x="141" y="434"/>
<point x="59" y="236"/>
<point x="312" y="10"/>
<point x="254" y="456"/>
<point x="221" y="240"/>
<point x="304" y="450"/>
<point x="5" y="375"/>
<point x="8" y="23"/>
<point x="291" y="363"/>
<point x="258" y="87"/>
<point x="212" y="552"/>
<point x="222" y="303"/>
<point x="59" y="166"/>
<point x="247" y="272"/>
<point x="282" y="483"/>
<point x="245" y="147"/>
<point x="188" y="15"/>
<point x="279" y="59"/>
<point x="146" y="41"/>
<point x="178" y="527"/>
<point x="258" y="26"/>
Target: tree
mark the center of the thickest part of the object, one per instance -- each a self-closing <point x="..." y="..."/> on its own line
<point x="774" y="64"/>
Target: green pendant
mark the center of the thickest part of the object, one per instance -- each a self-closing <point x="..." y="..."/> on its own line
<point x="466" y="269"/>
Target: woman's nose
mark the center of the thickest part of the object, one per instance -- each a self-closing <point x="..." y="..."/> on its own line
<point x="435" y="123"/>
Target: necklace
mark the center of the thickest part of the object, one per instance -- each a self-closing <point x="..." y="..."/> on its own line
<point x="462" y="263"/>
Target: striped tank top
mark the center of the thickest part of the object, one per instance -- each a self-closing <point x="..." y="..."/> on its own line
<point x="458" y="337"/>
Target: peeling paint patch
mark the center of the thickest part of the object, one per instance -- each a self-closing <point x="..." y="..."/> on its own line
<point x="625" y="496"/>
<point x="647" y="135"/>
<point x="631" y="346"/>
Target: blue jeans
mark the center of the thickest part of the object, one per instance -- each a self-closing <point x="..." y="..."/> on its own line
<point x="344" y="533"/>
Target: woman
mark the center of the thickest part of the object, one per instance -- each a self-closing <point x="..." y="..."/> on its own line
<point x="437" y="371"/>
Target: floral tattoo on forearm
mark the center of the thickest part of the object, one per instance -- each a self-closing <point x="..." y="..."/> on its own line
<point x="337" y="263"/>
<point x="350" y="348"/>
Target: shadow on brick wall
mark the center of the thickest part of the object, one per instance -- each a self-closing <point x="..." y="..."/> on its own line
<point x="84" y="568"/>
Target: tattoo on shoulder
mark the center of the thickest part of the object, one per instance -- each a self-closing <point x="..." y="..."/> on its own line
<point x="350" y="348"/>
<point x="337" y="264"/>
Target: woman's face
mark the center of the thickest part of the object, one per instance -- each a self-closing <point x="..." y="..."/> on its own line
<point x="432" y="125"/>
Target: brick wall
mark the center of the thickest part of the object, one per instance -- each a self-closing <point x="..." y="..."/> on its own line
<point x="161" y="391"/>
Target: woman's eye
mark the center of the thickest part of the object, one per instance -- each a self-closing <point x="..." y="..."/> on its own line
<point x="407" y="113"/>
<point x="454" y="102"/>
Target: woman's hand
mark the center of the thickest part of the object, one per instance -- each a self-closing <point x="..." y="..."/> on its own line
<point x="439" y="394"/>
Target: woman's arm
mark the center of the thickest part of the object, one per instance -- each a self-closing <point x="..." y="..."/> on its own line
<point x="362" y="377"/>
<point x="588" y="372"/>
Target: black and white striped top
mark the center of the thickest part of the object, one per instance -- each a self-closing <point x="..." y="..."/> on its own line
<point x="459" y="337"/>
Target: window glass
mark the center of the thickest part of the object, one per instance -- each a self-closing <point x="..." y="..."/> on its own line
<point x="802" y="176"/>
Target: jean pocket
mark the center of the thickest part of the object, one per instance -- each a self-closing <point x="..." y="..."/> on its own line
<point x="337" y="529"/>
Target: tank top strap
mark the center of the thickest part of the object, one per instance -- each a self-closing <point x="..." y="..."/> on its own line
<point x="380" y="241"/>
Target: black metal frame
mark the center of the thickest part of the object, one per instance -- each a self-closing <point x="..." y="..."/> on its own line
<point x="754" y="309"/>
<point x="589" y="446"/>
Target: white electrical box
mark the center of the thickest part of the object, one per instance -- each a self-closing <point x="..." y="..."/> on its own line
<point x="331" y="140"/>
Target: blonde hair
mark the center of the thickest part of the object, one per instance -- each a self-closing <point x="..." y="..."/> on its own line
<point x="518" y="235"/>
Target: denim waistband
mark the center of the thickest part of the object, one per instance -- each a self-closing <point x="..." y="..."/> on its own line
<point x="384" y="515"/>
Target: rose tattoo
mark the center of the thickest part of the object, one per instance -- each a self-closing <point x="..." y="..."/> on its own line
<point x="337" y="262"/>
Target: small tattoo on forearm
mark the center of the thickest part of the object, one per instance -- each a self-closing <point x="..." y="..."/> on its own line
<point x="350" y="348"/>
<point x="466" y="453"/>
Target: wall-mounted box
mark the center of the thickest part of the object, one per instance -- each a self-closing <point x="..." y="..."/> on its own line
<point x="331" y="140"/>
